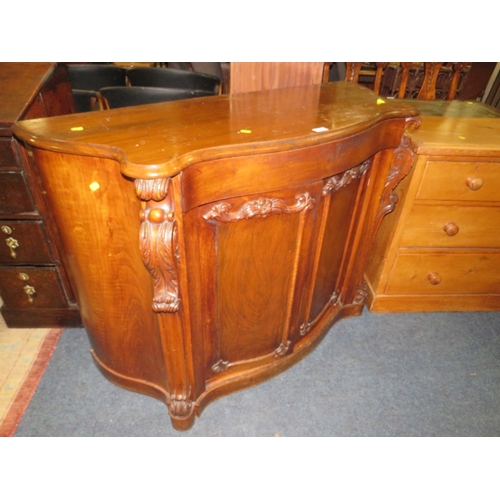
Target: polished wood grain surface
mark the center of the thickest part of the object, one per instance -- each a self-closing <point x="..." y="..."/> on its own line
<point x="213" y="242"/>
<point x="214" y="127"/>
<point x="449" y="135"/>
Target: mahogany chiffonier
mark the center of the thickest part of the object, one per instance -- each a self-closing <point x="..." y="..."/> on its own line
<point x="34" y="287"/>
<point x="212" y="242"/>
<point x="440" y="249"/>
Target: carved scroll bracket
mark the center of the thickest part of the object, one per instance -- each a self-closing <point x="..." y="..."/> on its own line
<point x="361" y="293"/>
<point x="341" y="180"/>
<point x="401" y="164"/>
<point x="283" y="349"/>
<point x="306" y="327"/>
<point x="220" y="366"/>
<point x="262" y="207"/>
<point x="158" y="242"/>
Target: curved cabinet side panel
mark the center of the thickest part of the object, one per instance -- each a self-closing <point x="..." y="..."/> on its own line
<point x="97" y="214"/>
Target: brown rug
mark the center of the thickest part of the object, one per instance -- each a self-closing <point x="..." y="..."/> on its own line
<point x="24" y="355"/>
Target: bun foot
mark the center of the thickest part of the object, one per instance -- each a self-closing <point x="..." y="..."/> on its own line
<point x="183" y="424"/>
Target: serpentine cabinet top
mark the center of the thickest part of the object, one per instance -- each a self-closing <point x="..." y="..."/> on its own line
<point x="163" y="139"/>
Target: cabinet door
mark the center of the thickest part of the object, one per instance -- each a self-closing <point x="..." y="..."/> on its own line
<point x="254" y="253"/>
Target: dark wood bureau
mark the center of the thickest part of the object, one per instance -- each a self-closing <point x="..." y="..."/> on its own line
<point x="34" y="286"/>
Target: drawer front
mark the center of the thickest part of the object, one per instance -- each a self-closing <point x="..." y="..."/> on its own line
<point x="445" y="273"/>
<point x="23" y="242"/>
<point x="465" y="181"/>
<point x="31" y="288"/>
<point x="452" y="226"/>
<point x="15" y="197"/>
<point x="7" y="153"/>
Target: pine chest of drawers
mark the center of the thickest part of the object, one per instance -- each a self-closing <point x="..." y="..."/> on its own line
<point x="34" y="286"/>
<point x="440" y="249"/>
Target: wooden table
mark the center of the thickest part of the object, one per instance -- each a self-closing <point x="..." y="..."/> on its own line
<point x="440" y="249"/>
<point x="213" y="242"/>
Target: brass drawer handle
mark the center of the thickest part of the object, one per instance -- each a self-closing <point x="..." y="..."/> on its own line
<point x="12" y="244"/>
<point x="6" y="230"/>
<point x="451" y="229"/>
<point x="474" y="183"/>
<point x="30" y="292"/>
<point x="434" y="278"/>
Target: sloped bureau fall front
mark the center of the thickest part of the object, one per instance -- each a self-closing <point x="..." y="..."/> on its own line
<point x="213" y="242"/>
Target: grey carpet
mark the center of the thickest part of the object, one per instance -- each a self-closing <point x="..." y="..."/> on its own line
<point x="433" y="374"/>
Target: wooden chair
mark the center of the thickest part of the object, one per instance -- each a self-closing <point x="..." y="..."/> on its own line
<point x="423" y="85"/>
<point x="354" y="71"/>
<point x="493" y="96"/>
<point x="252" y="76"/>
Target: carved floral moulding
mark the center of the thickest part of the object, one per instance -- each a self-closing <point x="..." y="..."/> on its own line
<point x="261" y="207"/>
<point x="180" y="407"/>
<point x="306" y="327"/>
<point x="341" y="180"/>
<point x="220" y="366"/>
<point x="361" y="293"/>
<point x="283" y="349"/>
<point x="401" y="164"/>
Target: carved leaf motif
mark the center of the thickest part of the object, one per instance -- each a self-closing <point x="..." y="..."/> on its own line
<point x="361" y="293"/>
<point x="180" y="407"/>
<point x="304" y="328"/>
<point x="152" y="189"/>
<point x="220" y="366"/>
<point x="282" y="349"/>
<point x="262" y="207"/>
<point x="159" y="252"/>
<point x="341" y="180"/>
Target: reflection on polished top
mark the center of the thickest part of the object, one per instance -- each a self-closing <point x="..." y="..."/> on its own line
<point x="468" y="126"/>
<point x="163" y="139"/>
<point x="445" y="136"/>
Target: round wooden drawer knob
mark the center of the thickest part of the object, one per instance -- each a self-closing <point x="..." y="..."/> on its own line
<point x="434" y="278"/>
<point x="474" y="183"/>
<point x="451" y="229"/>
